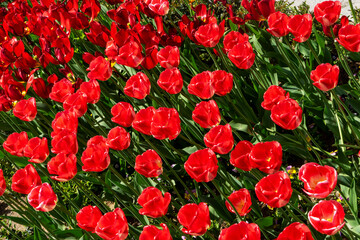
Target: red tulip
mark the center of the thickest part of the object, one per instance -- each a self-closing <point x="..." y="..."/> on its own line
<point x="118" y="139"/>
<point x="296" y="231"/>
<point x="300" y="26"/>
<point x="273" y="95"/>
<point x="195" y="218"/>
<point x="241" y="200"/>
<point x="130" y="54"/>
<point x="344" y="21"/>
<point x="202" y="85"/>
<point x="15" y="143"/>
<point x="92" y="91"/>
<point x="25" y="179"/>
<point x="220" y="139"/>
<point x="150" y="60"/>
<point x="242" y="55"/>
<point x="123" y="114"/>
<point x="100" y="69"/>
<point x="25" y="109"/>
<point x="64" y="166"/>
<point x="267" y="156"/>
<point x="88" y="217"/>
<point x="160" y="7"/>
<point x="64" y="142"/>
<point x="319" y="181"/>
<point x="207" y="114"/>
<point x="149" y="164"/>
<point x="113" y="226"/>
<point x="171" y="81"/>
<point x="169" y="57"/>
<point x="2" y="183"/>
<point x="138" y="86"/>
<point x="325" y="76"/>
<point x="143" y="119"/>
<point x="37" y="150"/>
<point x="165" y="124"/>
<point x="202" y="165"/>
<point x="61" y="90"/>
<point x="259" y="10"/>
<point x="349" y="37"/>
<point x="98" y="35"/>
<point x="278" y="22"/>
<point x="153" y="203"/>
<point x="96" y="155"/>
<point x="327" y="217"/>
<point x="150" y="232"/>
<point x="327" y="12"/>
<point x="240" y="156"/>
<point x="287" y="114"/>
<point x="234" y="38"/>
<point x="76" y="103"/>
<point x="64" y="121"/>
<point x="209" y="34"/>
<point x="222" y="82"/>
<point x="274" y="190"/>
<point x="242" y="230"/>
<point x="42" y="198"/>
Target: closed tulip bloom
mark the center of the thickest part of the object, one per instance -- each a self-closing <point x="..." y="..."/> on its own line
<point x="242" y="55"/>
<point x="349" y="37"/>
<point x="233" y="38"/>
<point x="209" y="34"/>
<point x="201" y="85"/>
<point x="25" y="179"/>
<point x="76" y="103"/>
<point x="220" y="139"/>
<point x="169" y="57"/>
<point x="195" y="218"/>
<point x="241" y="200"/>
<point x="118" y="138"/>
<point x="2" y="183"/>
<point x="171" y="81"/>
<point x="278" y="22"/>
<point x="327" y="217"/>
<point x="149" y="164"/>
<point x="327" y="12"/>
<point x="266" y="156"/>
<point x="160" y="7"/>
<point x="296" y="231"/>
<point x="206" y="114"/>
<point x="138" y="86"/>
<point x="319" y="181"/>
<point x="287" y="114"/>
<point x="240" y="156"/>
<point x="92" y="91"/>
<point x="202" y="165"/>
<point x="25" y="109"/>
<point x="274" y="190"/>
<point x="259" y="10"/>
<point x="273" y="95"/>
<point x="37" y="150"/>
<point x="88" y="217"/>
<point x="222" y="82"/>
<point x="242" y="230"/>
<point x="123" y="114"/>
<point x="96" y="155"/>
<point x="100" y="69"/>
<point x="165" y="124"/>
<point x="64" y="142"/>
<point x="151" y="232"/>
<point x="64" y="120"/>
<point x="15" y="143"/>
<point x="143" y="119"/>
<point x="113" y="226"/>
<point x="300" y="26"/>
<point x="63" y="166"/>
<point x="61" y="90"/>
<point x="153" y="203"/>
<point x="42" y="198"/>
<point x="325" y="76"/>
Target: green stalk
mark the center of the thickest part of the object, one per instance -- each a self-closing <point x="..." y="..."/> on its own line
<point x="353" y="12"/>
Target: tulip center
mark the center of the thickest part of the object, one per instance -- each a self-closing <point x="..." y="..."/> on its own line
<point x="316" y="180"/>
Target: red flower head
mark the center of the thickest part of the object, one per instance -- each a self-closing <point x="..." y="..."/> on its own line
<point x="327" y="217"/>
<point x="143" y="119"/>
<point x="153" y="203"/>
<point x="274" y="190"/>
<point x="234" y="38"/>
<point x="327" y="12"/>
<point x="37" y="150"/>
<point x="273" y="95"/>
<point x="195" y="218"/>
<point x="98" y="35"/>
<point x="242" y="230"/>
<point x="123" y="114"/>
<point x="118" y="138"/>
<point x="88" y="217"/>
<point x="240" y="156"/>
<point x="220" y="139"/>
<point x="92" y="91"/>
<point x="169" y="57"/>
<point x="267" y="156"/>
<point x="113" y="225"/>
<point x="138" y="86"/>
<point x="42" y="198"/>
<point x="319" y="181"/>
<point x="150" y="60"/>
<point x="344" y="21"/>
<point x="159" y="7"/>
<point x="242" y="55"/>
<point x="64" y="142"/>
<point x="241" y="200"/>
<point x="25" y="179"/>
<point x="100" y="69"/>
<point x="259" y="10"/>
<point x="96" y="155"/>
<point x="15" y="143"/>
<point x="278" y="23"/>
<point x="64" y="121"/>
<point x="150" y="232"/>
<point x="207" y="114"/>
<point x="349" y="37"/>
<point x="325" y="76"/>
<point x="130" y="54"/>
<point x="202" y="165"/>
<point x="287" y="114"/>
<point x="171" y="81"/>
<point x="165" y="124"/>
<point x="149" y="164"/>
<point x="2" y="183"/>
<point x="64" y="166"/>
<point x="25" y="109"/>
<point x="296" y="231"/>
<point x="222" y="82"/>
<point x="209" y="34"/>
<point x="201" y="85"/>
<point x="300" y="26"/>
<point x="76" y="103"/>
<point x="61" y="90"/>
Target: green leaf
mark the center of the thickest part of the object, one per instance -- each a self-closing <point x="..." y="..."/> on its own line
<point x="265" y="222"/>
<point x="353" y="197"/>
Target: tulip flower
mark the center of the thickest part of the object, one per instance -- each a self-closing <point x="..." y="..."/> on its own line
<point x="202" y="165"/>
<point x="242" y="55"/>
<point x="259" y="10"/>
<point x="88" y="217"/>
<point x="195" y="218"/>
<point x="143" y="119"/>
<point x="220" y="139"/>
<point x="76" y="103"/>
<point x="15" y="143"/>
<point x="242" y="230"/>
<point x="209" y="34"/>
<point x="325" y="76"/>
<point x="273" y="95"/>
<point x="278" y="22"/>
<point x="151" y="232"/>
<point x="100" y="69"/>
<point x="349" y="37"/>
<point x="25" y="179"/>
<point x="301" y="27"/>
<point x="206" y="114"/>
<point x="201" y="85"/>
<point x="138" y="86"/>
<point x="25" y="109"/>
<point x="64" y="166"/>
<point x="61" y="90"/>
<point x="123" y="114"/>
<point x="327" y="12"/>
<point x="42" y="198"/>
<point x="113" y="225"/>
<point x="233" y="38"/>
<point x="96" y="155"/>
<point x="287" y="114"/>
<point x="241" y="200"/>
<point x="37" y="150"/>
<point x="92" y="91"/>
<point x="266" y="156"/>
<point x="160" y="7"/>
<point x="2" y="183"/>
<point x="165" y="124"/>
<point x="240" y="156"/>
<point x="118" y="139"/>
<point x="153" y="203"/>
<point x="222" y="82"/>
<point x="171" y="81"/>
<point x="296" y="231"/>
<point x="64" y="142"/>
<point x="169" y="57"/>
<point x="149" y="164"/>
<point x="64" y="121"/>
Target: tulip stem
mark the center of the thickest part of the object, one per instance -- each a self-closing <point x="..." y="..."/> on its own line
<point x="313" y="52"/>
<point x="353" y="11"/>
<point x="349" y="232"/>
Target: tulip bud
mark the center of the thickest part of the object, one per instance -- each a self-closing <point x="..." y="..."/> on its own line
<point x="153" y="203"/>
<point x="113" y="225"/>
<point x="149" y="164"/>
<point x="195" y="218"/>
<point x="25" y="179"/>
<point x="88" y="217"/>
<point x="202" y="165"/>
<point x="42" y="198"/>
